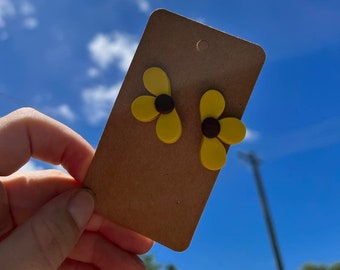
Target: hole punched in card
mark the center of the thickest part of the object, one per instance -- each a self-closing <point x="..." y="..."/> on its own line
<point x="177" y="113"/>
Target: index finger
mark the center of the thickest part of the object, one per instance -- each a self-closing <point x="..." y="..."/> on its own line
<point x="27" y="133"/>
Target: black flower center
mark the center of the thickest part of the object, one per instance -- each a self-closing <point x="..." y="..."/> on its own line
<point x="210" y="127"/>
<point x="164" y="104"/>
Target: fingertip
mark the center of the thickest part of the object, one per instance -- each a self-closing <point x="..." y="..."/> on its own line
<point x="77" y="160"/>
<point x="5" y="216"/>
<point x="81" y="207"/>
<point x="146" y="245"/>
<point x="122" y="237"/>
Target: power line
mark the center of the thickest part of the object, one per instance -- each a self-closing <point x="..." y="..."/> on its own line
<point x="254" y="162"/>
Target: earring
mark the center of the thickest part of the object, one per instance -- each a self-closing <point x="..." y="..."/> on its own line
<point x="158" y="105"/>
<point x="216" y="130"/>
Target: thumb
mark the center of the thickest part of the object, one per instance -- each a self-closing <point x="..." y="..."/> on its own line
<point x="46" y="239"/>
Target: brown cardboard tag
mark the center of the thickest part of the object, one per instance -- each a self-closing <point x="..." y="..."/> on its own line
<point x="160" y="189"/>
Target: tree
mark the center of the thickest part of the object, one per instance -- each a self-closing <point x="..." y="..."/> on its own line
<point x="171" y="267"/>
<point x="310" y="266"/>
<point x="151" y="264"/>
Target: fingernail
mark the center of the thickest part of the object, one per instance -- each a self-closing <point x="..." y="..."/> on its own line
<point x="90" y="191"/>
<point x="81" y="207"/>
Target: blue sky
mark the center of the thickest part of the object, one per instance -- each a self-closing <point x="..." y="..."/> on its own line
<point x="68" y="59"/>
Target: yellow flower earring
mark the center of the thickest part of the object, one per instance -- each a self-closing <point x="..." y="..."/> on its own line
<point x="228" y="130"/>
<point x="147" y="108"/>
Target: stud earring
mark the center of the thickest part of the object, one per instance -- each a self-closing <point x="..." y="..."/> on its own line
<point x="159" y="104"/>
<point x="217" y="131"/>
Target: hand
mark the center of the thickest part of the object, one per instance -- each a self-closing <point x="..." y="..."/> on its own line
<point x="46" y="217"/>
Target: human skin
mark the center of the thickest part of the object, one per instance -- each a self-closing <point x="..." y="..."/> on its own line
<point x="47" y="218"/>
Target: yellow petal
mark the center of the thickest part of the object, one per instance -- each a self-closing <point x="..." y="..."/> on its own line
<point x="212" y="104"/>
<point x="156" y="81"/>
<point x="143" y="108"/>
<point x="169" y="127"/>
<point x="232" y="130"/>
<point x="213" y="154"/>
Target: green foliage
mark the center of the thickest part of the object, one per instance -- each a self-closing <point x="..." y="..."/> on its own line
<point x="171" y="267"/>
<point x="335" y="267"/>
<point x="311" y="266"/>
<point x="151" y="264"/>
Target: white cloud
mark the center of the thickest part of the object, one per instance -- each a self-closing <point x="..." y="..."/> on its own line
<point x="27" y="11"/>
<point x="26" y="8"/>
<point x="63" y="111"/>
<point x="113" y="49"/>
<point x="201" y="20"/>
<point x="304" y="139"/>
<point x="30" y="166"/>
<point x="93" y="72"/>
<point x="251" y="135"/>
<point x="30" y="23"/>
<point x="98" y="101"/>
<point x="143" y="5"/>
<point x="59" y="168"/>
<point x="7" y="9"/>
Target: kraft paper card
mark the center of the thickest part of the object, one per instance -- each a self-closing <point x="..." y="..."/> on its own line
<point x="167" y="137"/>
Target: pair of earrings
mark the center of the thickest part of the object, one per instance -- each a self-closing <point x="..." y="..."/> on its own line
<point x="215" y="130"/>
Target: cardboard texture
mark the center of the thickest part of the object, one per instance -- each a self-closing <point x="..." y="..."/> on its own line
<point x="158" y="189"/>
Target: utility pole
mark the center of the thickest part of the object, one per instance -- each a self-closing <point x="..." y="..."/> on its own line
<point x="254" y="162"/>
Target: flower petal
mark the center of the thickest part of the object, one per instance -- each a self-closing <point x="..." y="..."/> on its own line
<point x="213" y="154"/>
<point x="169" y="127"/>
<point x="143" y="108"/>
<point x="156" y="81"/>
<point x="212" y="104"/>
<point x="232" y="130"/>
